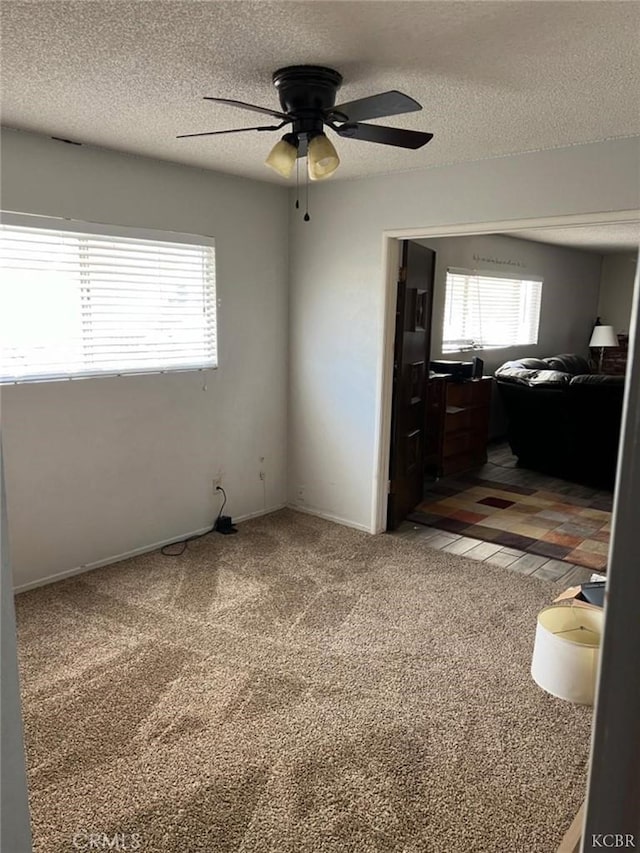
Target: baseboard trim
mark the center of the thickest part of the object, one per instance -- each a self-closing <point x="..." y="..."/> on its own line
<point x="143" y="549"/>
<point x="259" y="513"/>
<point x="328" y="517"/>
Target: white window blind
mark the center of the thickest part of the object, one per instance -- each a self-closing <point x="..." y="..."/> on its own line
<point x="487" y="311"/>
<point x="79" y="301"/>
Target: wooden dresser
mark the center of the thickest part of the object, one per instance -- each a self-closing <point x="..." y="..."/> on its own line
<point x="457" y="424"/>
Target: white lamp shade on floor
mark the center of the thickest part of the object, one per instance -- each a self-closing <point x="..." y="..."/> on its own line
<point x="566" y="651"/>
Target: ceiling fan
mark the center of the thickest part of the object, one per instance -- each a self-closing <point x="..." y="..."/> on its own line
<point x="307" y="97"/>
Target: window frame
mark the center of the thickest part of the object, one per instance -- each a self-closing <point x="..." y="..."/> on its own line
<point x="76" y="226"/>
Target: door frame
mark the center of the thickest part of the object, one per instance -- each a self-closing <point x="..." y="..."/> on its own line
<point x="391" y="247"/>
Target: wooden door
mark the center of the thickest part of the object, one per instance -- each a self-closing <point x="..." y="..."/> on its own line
<point x="410" y="373"/>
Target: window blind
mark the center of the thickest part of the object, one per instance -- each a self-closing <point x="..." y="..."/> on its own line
<point x="485" y="311"/>
<point x="80" y="303"/>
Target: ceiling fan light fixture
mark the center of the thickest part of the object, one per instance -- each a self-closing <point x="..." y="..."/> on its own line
<point x="282" y="157"/>
<point x="322" y="157"/>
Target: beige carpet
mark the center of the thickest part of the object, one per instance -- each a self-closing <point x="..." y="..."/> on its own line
<point x="297" y="688"/>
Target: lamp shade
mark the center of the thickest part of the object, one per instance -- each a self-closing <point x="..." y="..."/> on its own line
<point x="322" y="157"/>
<point x="283" y="155"/>
<point x="603" y="336"/>
<point x="566" y="651"/>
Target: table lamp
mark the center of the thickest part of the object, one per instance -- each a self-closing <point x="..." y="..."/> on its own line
<point x="603" y="336"/>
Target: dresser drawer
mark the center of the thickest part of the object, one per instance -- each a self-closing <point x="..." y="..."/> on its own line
<point x="457" y="421"/>
<point x="454" y="443"/>
<point x="459" y="394"/>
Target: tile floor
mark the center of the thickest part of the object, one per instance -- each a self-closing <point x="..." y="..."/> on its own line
<point x="501" y="467"/>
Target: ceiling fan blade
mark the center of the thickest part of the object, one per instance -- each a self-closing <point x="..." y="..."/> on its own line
<point x="235" y="130"/>
<point x="384" y="135"/>
<point x="377" y="106"/>
<point x="253" y="107"/>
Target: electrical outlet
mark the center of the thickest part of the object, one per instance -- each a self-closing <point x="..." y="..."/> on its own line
<point x="263" y="476"/>
<point x="216" y="483"/>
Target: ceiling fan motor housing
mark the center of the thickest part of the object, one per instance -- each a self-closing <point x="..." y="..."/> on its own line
<point x="306" y="93"/>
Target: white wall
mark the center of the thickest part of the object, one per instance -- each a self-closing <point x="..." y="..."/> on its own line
<point x="571" y="282"/>
<point x="616" y="290"/>
<point x="101" y="467"/>
<point x="338" y="283"/>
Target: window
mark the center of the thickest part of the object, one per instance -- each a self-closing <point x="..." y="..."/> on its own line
<point x="487" y="311"/>
<point x="79" y="300"/>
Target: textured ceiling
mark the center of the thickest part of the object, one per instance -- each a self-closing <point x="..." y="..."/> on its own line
<point x="622" y="237"/>
<point x="494" y="78"/>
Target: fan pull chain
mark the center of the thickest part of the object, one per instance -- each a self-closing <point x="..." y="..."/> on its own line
<point x="297" y="183"/>
<point x="306" y="200"/>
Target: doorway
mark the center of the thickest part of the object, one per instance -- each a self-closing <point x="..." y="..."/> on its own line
<point x="383" y="508"/>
